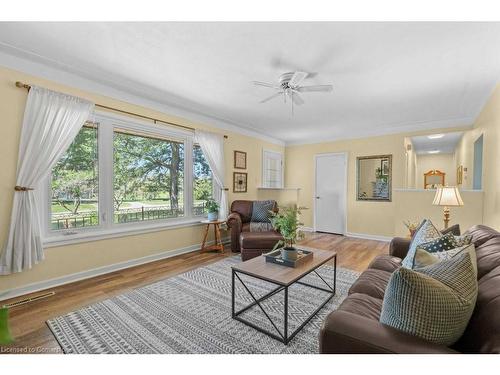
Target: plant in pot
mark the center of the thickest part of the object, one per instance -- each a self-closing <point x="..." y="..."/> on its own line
<point x="213" y="210"/>
<point x="286" y="221"/>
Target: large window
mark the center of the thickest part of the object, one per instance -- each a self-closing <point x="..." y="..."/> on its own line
<point x="148" y="178"/>
<point x="75" y="183"/>
<point x="127" y="175"/>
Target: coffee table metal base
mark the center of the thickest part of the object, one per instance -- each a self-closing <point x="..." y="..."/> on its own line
<point x="284" y="336"/>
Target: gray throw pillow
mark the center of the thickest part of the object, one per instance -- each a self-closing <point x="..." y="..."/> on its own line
<point x="261" y="211"/>
<point x="433" y="302"/>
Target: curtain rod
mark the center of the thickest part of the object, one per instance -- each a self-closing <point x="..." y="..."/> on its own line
<point x="155" y="120"/>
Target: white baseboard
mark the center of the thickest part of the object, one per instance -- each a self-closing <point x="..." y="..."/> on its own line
<point x="306" y="229"/>
<point x="369" y="237"/>
<point x="46" y="284"/>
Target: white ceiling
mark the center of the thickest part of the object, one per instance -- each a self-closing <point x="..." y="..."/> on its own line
<point x="445" y="145"/>
<point x="387" y="77"/>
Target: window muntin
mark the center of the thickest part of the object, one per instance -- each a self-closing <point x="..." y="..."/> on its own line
<point x="74" y="184"/>
<point x="202" y="182"/>
<point x="272" y="169"/>
<point x="148" y="178"/>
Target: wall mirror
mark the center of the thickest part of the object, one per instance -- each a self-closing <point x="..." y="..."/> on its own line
<point x="374" y="176"/>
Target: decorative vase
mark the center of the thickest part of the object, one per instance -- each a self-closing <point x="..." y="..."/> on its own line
<point x="5" y="337"/>
<point x="213" y="216"/>
<point x="289" y="253"/>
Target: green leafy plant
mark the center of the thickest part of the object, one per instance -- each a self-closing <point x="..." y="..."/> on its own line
<point x="212" y="206"/>
<point x="286" y="221"/>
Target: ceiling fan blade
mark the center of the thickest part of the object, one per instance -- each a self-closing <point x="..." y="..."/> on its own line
<point x="297" y="78"/>
<point x="296" y="99"/>
<point x="319" y="88"/>
<point x="258" y="83"/>
<point x="271" y="97"/>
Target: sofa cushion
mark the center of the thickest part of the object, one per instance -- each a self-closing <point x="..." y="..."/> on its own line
<point x="259" y="240"/>
<point x="481" y="234"/>
<point x="385" y="263"/>
<point x="363" y="305"/>
<point x="425" y="233"/>
<point x="371" y="282"/>
<point x="483" y="332"/>
<point x="435" y="302"/>
<point x="261" y="211"/>
<point x="488" y="257"/>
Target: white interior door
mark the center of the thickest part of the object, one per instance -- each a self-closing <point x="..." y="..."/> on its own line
<point x="330" y="193"/>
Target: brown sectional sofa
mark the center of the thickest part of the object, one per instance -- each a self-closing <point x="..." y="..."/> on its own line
<point x="355" y="328"/>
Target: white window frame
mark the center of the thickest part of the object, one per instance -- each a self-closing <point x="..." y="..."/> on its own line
<point x="107" y="123"/>
<point x="276" y="155"/>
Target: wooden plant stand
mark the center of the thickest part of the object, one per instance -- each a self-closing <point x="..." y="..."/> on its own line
<point x="218" y="246"/>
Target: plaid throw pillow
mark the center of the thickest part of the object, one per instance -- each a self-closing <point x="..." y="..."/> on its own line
<point x="261" y="211"/>
<point x="444" y="243"/>
<point x="435" y="302"/>
<point x="425" y="233"/>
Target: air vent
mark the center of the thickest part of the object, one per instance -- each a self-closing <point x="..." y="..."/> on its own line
<point x="29" y="300"/>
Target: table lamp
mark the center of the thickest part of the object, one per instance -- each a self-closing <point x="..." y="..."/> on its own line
<point x="447" y="196"/>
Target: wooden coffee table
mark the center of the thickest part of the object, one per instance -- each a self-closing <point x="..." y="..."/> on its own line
<point x="283" y="277"/>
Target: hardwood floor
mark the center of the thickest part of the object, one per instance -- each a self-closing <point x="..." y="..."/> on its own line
<point x="27" y="322"/>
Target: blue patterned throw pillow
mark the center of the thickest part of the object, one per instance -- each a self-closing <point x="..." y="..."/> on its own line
<point x="425" y="233"/>
<point x="444" y="243"/>
<point x="261" y="211"/>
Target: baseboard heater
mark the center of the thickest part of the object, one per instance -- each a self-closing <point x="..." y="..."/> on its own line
<point x="29" y="300"/>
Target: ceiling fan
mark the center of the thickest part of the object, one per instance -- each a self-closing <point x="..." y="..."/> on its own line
<point x="289" y="86"/>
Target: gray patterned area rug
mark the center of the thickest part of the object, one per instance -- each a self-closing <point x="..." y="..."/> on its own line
<point x="191" y="313"/>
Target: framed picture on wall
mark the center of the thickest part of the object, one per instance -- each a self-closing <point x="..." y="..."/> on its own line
<point x="240" y="160"/>
<point x="239" y="182"/>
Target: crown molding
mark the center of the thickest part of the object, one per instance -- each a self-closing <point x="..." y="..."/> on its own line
<point x="126" y="90"/>
<point x="413" y="127"/>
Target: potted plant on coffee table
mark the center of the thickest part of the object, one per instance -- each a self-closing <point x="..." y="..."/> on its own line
<point x="286" y="221"/>
<point x="213" y="210"/>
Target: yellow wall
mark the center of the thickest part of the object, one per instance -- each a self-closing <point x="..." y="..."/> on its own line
<point x="363" y="217"/>
<point x="442" y="162"/>
<point x="70" y="259"/>
<point x="415" y="206"/>
<point x="464" y="156"/>
<point x="488" y="124"/>
<point x="411" y="164"/>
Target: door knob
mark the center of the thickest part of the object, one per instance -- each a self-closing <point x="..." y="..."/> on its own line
<point x="316" y="197"/>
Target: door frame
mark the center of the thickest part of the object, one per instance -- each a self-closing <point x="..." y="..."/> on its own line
<point x="326" y="154"/>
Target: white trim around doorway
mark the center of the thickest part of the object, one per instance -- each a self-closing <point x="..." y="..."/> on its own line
<point x="316" y="156"/>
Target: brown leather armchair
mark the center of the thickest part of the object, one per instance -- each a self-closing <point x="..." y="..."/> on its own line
<point x="249" y="243"/>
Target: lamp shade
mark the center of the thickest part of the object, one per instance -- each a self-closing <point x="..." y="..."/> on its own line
<point x="448" y="196"/>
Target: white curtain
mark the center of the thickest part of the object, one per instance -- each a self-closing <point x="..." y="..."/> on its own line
<point x="212" y="145"/>
<point x="51" y="122"/>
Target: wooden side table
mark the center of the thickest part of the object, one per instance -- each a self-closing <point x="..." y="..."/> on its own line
<point x="218" y="241"/>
